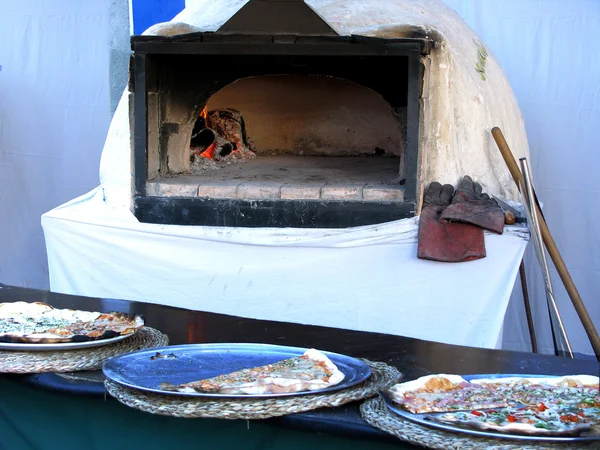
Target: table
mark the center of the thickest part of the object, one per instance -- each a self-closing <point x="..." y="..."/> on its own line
<point x="361" y="278"/>
<point x="46" y="411"/>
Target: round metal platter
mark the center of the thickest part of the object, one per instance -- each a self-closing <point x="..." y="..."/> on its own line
<point x="24" y="346"/>
<point x="179" y="364"/>
<point x="423" y="419"/>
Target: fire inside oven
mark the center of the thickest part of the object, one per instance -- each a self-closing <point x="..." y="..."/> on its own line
<point x="275" y="134"/>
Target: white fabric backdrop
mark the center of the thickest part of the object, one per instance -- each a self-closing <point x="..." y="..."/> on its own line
<point x="548" y="51"/>
<point x="54" y="114"/>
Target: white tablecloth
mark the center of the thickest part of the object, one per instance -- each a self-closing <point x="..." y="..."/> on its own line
<point x="365" y="278"/>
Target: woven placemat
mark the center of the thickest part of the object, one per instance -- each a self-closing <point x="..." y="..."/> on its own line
<point x="382" y="376"/>
<point x="375" y="412"/>
<point x="78" y="359"/>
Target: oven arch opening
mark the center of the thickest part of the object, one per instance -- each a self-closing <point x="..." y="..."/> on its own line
<point x="268" y="122"/>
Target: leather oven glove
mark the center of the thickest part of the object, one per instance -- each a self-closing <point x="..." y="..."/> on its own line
<point x="470" y="205"/>
<point x="447" y="242"/>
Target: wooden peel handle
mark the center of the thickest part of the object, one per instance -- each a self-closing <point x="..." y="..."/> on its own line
<point x="563" y="272"/>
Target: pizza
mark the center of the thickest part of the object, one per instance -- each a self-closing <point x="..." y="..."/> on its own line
<point x="440" y="393"/>
<point x="309" y="372"/>
<point x="567" y="405"/>
<point x="41" y="323"/>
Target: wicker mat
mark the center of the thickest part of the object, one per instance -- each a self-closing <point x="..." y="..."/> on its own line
<point x="376" y="413"/>
<point x="382" y="376"/>
<point x="78" y="359"/>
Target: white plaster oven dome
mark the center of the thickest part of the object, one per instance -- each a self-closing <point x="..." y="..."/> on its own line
<point x="465" y="91"/>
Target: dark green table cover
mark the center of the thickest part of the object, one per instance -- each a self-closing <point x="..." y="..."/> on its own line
<point x="38" y="419"/>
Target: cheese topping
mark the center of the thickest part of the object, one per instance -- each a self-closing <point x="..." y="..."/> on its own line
<point x="24" y="320"/>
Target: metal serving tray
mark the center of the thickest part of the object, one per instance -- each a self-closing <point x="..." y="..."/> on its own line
<point x="423" y="419"/>
<point x="180" y="364"/>
<point x="37" y="347"/>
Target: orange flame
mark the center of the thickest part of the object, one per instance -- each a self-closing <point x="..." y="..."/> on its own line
<point x="210" y="151"/>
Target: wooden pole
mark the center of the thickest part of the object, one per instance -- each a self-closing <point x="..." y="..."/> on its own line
<point x="563" y="272"/>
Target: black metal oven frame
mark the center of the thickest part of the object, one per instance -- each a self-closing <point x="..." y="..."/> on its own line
<point x="278" y="213"/>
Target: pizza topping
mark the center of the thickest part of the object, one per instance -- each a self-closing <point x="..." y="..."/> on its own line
<point x="542" y="407"/>
<point x="38" y="322"/>
<point x="458" y="396"/>
<point x="548" y="406"/>
<point x="313" y="370"/>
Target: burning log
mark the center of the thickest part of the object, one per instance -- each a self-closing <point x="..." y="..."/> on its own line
<point x="229" y="123"/>
<point x="209" y="144"/>
<point x="220" y="133"/>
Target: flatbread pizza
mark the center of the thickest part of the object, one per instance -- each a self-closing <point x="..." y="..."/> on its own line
<point x="548" y="406"/>
<point x="41" y="323"/>
<point x="309" y="372"/>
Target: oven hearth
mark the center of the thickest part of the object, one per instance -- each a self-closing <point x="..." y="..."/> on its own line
<point x="369" y="179"/>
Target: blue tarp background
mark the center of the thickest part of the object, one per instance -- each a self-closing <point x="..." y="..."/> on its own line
<point x="148" y="12"/>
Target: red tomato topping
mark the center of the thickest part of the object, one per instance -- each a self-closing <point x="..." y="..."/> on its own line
<point x="569" y="418"/>
<point x="511" y="418"/>
<point x="581" y="413"/>
<point x="542" y="407"/>
<point x="477" y="413"/>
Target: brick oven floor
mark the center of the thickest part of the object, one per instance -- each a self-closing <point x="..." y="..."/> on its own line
<point x="292" y="177"/>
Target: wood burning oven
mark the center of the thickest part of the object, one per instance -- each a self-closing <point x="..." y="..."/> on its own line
<point x="335" y="120"/>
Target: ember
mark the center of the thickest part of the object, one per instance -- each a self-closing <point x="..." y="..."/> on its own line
<point x="219" y="134"/>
